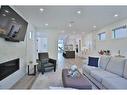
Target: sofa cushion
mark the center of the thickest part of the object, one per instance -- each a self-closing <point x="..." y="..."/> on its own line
<point x="99" y="75"/>
<point x="104" y="60"/>
<point x="115" y="83"/>
<point x="116" y="65"/>
<point x="93" y="61"/>
<point x="87" y="69"/>
<point x="125" y="70"/>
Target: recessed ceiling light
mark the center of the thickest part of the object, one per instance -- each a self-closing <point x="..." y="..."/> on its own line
<point x="78" y="12"/>
<point x="94" y="26"/>
<point x="46" y="24"/>
<point x="70" y="25"/>
<point x="116" y="15"/>
<point x="41" y="9"/>
<point x="6" y="11"/>
<point x="4" y="14"/>
<point x="63" y="31"/>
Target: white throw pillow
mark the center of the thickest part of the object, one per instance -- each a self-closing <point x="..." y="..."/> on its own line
<point x="103" y="62"/>
<point x="116" y="65"/>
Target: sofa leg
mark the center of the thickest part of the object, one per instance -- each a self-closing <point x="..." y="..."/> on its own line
<point x="42" y="73"/>
<point x="54" y="69"/>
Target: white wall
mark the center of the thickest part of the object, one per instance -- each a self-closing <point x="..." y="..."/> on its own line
<point x="111" y="44"/>
<point x="31" y="50"/>
<point x="88" y="40"/>
<point x="10" y="51"/>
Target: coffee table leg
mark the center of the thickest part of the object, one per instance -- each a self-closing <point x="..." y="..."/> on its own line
<point x="34" y="69"/>
<point x="28" y="69"/>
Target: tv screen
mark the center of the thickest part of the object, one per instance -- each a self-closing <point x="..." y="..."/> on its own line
<point x="12" y="26"/>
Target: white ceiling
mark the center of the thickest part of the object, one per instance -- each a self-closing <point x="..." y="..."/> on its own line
<point x="58" y="17"/>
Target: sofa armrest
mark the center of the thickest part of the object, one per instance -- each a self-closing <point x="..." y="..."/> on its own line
<point x="52" y="61"/>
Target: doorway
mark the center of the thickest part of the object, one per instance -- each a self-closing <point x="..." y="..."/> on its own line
<point x="42" y="45"/>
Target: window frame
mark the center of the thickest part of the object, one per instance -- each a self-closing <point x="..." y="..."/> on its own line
<point x="116" y="30"/>
<point x="99" y="36"/>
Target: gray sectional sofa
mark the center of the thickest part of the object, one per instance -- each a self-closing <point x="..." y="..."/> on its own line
<point x="110" y="74"/>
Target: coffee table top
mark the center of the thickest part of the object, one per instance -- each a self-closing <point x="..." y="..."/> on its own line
<point x="79" y="83"/>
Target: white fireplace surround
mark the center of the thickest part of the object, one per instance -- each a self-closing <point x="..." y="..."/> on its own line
<point x="10" y="80"/>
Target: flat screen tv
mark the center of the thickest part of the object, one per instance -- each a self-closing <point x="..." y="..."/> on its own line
<point x="12" y="26"/>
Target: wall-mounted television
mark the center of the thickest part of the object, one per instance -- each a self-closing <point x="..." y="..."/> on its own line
<point x="12" y="26"/>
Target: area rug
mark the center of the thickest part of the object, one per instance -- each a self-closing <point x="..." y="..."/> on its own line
<point x="48" y="79"/>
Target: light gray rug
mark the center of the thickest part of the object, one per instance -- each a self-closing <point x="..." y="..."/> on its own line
<point x="48" y="79"/>
<point x="51" y="80"/>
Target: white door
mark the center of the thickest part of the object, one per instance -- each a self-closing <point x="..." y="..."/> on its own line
<point x="42" y="45"/>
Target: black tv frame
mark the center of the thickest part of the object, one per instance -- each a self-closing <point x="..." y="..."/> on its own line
<point x="14" y="34"/>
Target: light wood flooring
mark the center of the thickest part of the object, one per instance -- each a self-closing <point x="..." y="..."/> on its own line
<point x="25" y="83"/>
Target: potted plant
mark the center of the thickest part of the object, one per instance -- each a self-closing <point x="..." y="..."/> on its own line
<point x="30" y="62"/>
<point x="101" y="52"/>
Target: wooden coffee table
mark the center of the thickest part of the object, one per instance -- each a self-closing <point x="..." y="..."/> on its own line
<point x="79" y="83"/>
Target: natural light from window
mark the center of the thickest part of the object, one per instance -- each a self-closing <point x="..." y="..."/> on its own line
<point x="102" y="36"/>
<point x="120" y="32"/>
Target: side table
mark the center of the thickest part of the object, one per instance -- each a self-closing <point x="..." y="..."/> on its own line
<point x="35" y="67"/>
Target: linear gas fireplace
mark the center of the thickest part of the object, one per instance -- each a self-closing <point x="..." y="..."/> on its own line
<point x="7" y="68"/>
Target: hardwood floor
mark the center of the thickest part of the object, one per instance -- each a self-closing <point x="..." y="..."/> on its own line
<point x="25" y="83"/>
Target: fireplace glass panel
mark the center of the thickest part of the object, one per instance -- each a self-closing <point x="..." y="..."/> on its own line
<point x="8" y="68"/>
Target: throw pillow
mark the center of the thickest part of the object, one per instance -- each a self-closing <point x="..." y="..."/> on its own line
<point x="93" y="61"/>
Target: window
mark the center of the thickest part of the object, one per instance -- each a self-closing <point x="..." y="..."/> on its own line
<point x="102" y="36"/>
<point x="120" y="32"/>
<point x="30" y="35"/>
<point x="42" y="44"/>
